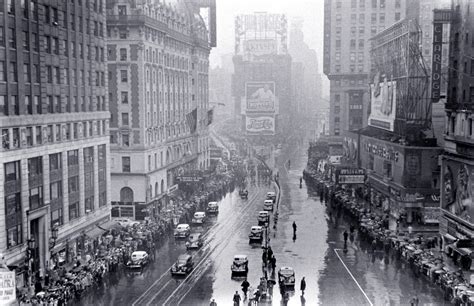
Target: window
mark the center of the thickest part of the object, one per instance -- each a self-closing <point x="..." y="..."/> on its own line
<point x="123" y="54"/>
<point x="35" y="166"/>
<point x="125" y="119"/>
<point x="36" y="197"/>
<point x="102" y="199"/>
<point x="56" y="217"/>
<point x="39" y="136"/>
<point x="124" y="97"/>
<point x="26" y="41"/>
<point x="397" y="16"/>
<point x="125" y="164"/>
<point x="122" y="10"/>
<point x="56" y="190"/>
<point x="89" y="180"/>
<point x="2" y="37"/>
<point x="353" y="43"/>
<point x="89" y="155"/>
<point x="73" y="211"/>
<point x="28" y="105"/>
<point x="398" y="3"/>
<point x="382" y="3"/>
<point x="12" y="171"/>
<point x="73" y="184"/>
<point x="73" y="158"/>
<point x="13" y="212"/>
<point x="54" y="162"/>
<point x="11" y="7"/>
<point x="13" y="72"/>
<point x="382" y="17"/>
<point x="26" y="73"/>
<point x="38" y="105"/>
<point x="373" y="18"/>
<point x="387" y="169"/>
<point x="361" y="43"/>
<point x="374" y="3"/>
<point x="89" y="204"/>
<point x="3" y="75"/>
<point x="125" y="140"/>
<point x="123" y="76"/>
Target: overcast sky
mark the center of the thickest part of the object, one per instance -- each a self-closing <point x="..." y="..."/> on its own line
<point x="312" y="11"/>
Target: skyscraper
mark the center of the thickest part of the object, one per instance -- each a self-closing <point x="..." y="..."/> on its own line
<point x="54" y="122"/>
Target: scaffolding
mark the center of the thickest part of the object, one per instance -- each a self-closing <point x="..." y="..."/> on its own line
<point x="396" y="55"/>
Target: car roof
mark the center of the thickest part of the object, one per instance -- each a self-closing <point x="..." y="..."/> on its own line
<point x="183" y="225"/>
<point x="263" y="212"/>
<point x="268" y="201"/>
<point x="256" y="227"/>
<point x="184" y="257"/>
<point x="212" y="203"/>
<point x="270" y="193"/>
<point x="199" y="213"/>
<point x="139" y="253"/>
<point x="240" y="256"/>
<point x="286" y="269"/>
<point x="195" y="235"/>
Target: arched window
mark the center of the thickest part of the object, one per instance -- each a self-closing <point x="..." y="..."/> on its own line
<point x="162" y="186"/>
<point x="156" y="189"/>
<point x="167" y="157"/>
<point x="126" y="195"/>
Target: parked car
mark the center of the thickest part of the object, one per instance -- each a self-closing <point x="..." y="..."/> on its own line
<point x="182" y="231"/>
<point x="286" y="277"/>
<point x="194" y="241"/>
<point x="256" y="234"/>
<point x="240" y="265"/>
<point x="244" y="193"/>
<point x="268" y="205"/>
<point x="271" y="196"/>
<point x="199" y="217"/>
<point x="212" y="208"/>
<point x="126" y="222"/>
<point x="183" y="265"/>
<point x="139" y="259"/>
<point x="263" y="217"/>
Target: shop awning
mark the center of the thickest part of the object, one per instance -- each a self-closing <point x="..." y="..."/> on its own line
<point x="109" y="225"/>
<point x="450" y="237"/>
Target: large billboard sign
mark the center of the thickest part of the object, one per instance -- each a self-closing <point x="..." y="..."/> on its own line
<point x="259" y="47"/>
<point x="260" y="97"/>
<point x="383" y="99"/>
<point x="350" y="176"/>
<point x="260" y="124"/>
<point x="8" y="287"/>
<point x="457" y="189"/>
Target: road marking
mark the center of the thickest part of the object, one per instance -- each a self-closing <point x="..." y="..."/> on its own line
<point x="353" y="278"/>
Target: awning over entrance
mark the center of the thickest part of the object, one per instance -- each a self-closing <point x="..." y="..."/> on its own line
<point x="109" y="225"/>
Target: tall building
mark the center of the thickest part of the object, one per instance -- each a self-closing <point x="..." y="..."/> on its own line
<point x="54" y="121"/>
<point x="158" y="61"/>
<point x="457" y="170"/>
<point x="348" y="26"/>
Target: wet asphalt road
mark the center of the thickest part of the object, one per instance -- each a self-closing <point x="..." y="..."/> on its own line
<point x="333" y="277"/>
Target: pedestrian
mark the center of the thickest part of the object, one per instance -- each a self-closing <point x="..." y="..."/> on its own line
<point x="264" y="257"/>
<point x="345" y="236"/>
<point x="237" y="298"/>
<point x="245" y="287"/>
<point x="414" y="301"/>
<point x="294" y="228"/>
<point x="302" y="285"/>
<point x="270" y="252"/>
<point x="213" y="303"/>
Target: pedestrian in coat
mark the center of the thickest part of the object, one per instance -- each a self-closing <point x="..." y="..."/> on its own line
<point x="237" y="298"/>
<point x="302" y="285"/>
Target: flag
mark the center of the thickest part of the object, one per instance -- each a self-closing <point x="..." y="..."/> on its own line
<point x="191" y="120"/>
<point x="210" y="116"/>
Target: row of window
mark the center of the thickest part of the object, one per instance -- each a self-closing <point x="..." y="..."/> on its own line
<point x="55" y="104"/>
<point x="54" y="45"/>
<point x="375" y="4"/>
<point x="13" y="138"/>
<point x="56" y="17"/>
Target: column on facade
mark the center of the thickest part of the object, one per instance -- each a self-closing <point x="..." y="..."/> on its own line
<point x="82" y="209"/>
<point x="96" y="178"/>
<point x="65" y="197"/>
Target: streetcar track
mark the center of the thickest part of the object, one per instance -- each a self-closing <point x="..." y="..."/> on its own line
<point x="206" y="253"/>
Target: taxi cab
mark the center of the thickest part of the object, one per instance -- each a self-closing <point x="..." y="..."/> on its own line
<point x="268" y="205"/>
<point x="263" y="217"/>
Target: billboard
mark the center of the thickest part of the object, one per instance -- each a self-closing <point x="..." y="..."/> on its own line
<point x="259" y="47"/>
<point x="383" y="100"/>
<point x="260" y="97"/>
<point x="457" y="188"/>
<point x="260" y="124"/>
<point x="8" y="287"/>
<point x="350" y="176"/>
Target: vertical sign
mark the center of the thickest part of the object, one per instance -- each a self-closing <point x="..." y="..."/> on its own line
<point x="7" y="287"/>
<point x="436" y="61"/>
<point x="439" y="18"/>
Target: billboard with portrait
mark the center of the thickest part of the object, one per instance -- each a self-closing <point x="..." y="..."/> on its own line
<point x="260" y="97"/>
<point x="260" y="124"/>
<point x="383" y="100"/>
<point x="457" y="189"/>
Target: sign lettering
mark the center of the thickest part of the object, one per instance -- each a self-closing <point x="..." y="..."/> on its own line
<point x="436" y="62"/>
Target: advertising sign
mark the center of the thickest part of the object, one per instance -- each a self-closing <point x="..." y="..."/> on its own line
<point x="431" y="215"/>
<point x="457" y="189"/>
<point x="260" y="97"/>
<point x="7" y="287"/>
<point x="259" y="47"/>
<point x="383" y="97"/>
<point x="263" y="124"/>
<point x="350" y="176"/>
<point x="436" y="61"/>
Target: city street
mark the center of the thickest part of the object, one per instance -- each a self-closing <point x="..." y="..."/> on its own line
<point x="333" y="277"/>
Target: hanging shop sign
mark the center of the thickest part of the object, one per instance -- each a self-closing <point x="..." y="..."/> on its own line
<point x="381" y="151"/>
<point x="350" y="176"/>
<point x="7" y="287"/>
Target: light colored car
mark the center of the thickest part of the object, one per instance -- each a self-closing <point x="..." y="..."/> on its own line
<point x="212" y="208"/>
<point x="126" y="222"/>
<point x="268" y="205"/>
<point x="194" y="241"/>
<point x="256" y="233"/>
<point x="139" y="259"/>
<point x="182" y="231"/>
<point x="286" y="277"/>
<point x="263" y="217"/>
<point x="240" y="265"/>
<point x="199" y="217"/>
<point x="271" y="196"/>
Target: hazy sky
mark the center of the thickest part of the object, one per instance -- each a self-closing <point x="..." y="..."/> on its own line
<point x="312" y="11"/>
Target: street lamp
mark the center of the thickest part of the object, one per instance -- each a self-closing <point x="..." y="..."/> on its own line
<point x="54" y="236"/>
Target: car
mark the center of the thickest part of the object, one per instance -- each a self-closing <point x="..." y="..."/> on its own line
<point x="286" y="277"/>
<point x="183" y="265"/>
<point x="212" y="208"/>
<point x="268" y="205"/>
<point x="139" y="259"/>
<point x="244" y="194"/>
<point x="271" y="196"/>
<point x="263" y="217"/>
<point x="240" y="265"/>
<point x="182" y="231"/>
<point x="124" y="222"/>
<point x="194" y="241"/>
<point x="256" y="234"/>
<point x="199" y="217"/>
